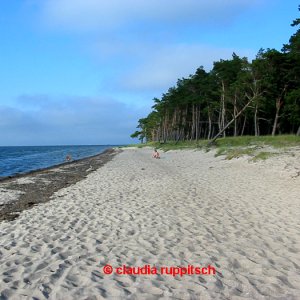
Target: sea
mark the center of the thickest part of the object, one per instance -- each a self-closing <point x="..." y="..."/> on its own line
<point x="23" y="159"/>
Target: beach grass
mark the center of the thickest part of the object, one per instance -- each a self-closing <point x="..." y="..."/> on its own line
<point x="263" y="155"/>
<point x="233" y="147"/>
<point x="234" y="152"/>
<point x="278" y="141"/>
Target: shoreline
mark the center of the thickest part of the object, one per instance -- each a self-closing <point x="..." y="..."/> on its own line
<point x="39" y="185"/>
<point x="18" y="175"/>
<point x="144" y="228"/>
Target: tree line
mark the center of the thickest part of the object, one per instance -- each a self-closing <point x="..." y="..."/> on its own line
<point x="237" y="97"/>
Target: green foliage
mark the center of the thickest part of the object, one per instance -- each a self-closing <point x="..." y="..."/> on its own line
<point x="199" y="107"/>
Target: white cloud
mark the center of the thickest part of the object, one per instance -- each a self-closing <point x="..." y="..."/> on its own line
<point x="140" y="39"/>
<point x="67" y="120"/>
<point x="162" y="66"/>
<point x="101" y="14"/>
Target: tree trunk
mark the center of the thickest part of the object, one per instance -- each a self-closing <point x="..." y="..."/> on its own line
<point x="165" y="128"/>
<point x="256" y="125"/>
<point x="278" y="105"/>
<point x="209" y="125"/>
<point x="197" y="122"/>
<point x="244" y="124"/>
<point x="222" y="110"/>
<point x="228" y="124"/>
<point x="173" y="126"/>
<point x="234" y="115"/>
<point x="193" y="122"/>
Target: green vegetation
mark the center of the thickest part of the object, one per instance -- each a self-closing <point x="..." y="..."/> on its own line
<point x="236" y="98"/>
<point x="246" y="141"/>
<point x="171" y="145"/>
<point x="234" y="152"/>
<point x="263" y="156"/>
<point x="234" y="147"/>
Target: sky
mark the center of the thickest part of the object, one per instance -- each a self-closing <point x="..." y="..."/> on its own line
<point x="82" y="72"/>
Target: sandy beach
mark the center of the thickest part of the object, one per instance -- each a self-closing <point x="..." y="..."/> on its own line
<point x="188" y="208"/>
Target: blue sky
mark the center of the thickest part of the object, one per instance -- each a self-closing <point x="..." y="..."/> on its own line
<point x="84" y="71"/>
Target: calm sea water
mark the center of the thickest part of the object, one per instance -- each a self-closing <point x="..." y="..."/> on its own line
<point x="16" y="160"/>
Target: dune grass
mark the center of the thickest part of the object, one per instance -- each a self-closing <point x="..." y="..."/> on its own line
<point x="278" y="141"/>
<point x="172" y="145"/>
<point x="263" y="155"/>
<point x="233" y="147"/>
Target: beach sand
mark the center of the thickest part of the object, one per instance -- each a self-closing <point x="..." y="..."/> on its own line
<point x="187" y="208"/>
<point x="23" y="191"/>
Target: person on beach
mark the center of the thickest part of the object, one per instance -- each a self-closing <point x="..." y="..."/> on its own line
<point x="68" y="157"/>
<point x="155" y="154"/>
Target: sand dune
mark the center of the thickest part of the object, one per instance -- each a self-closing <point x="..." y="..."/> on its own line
<point x="188" y="208"/>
